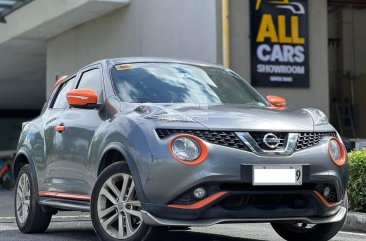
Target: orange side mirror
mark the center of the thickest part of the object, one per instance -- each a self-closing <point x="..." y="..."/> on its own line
<point x="82" y="98"/>
<point x="277" y="101"/>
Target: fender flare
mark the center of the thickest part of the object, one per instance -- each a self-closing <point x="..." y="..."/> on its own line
<point x="25" y="152"/>
<point x="117" y="146"/>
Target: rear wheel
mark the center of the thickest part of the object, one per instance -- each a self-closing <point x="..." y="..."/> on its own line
<point x="29" y="215"/>
<point x="116" y="209"/>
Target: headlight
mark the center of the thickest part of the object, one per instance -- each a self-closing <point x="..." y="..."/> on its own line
<point x="188" y="149"/>
<point x="318" y="116"/>
<point x="336" y="151"/>
<point x="160" y="113"/>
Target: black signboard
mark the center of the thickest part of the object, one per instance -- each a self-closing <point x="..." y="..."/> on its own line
<point x="279" y="43"/>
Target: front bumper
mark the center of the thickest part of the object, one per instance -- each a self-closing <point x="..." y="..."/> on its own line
<point x="228" y="170"/>
<point x="241" y="202"/>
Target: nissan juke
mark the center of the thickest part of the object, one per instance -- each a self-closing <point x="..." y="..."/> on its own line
<point x="147" y="144"/>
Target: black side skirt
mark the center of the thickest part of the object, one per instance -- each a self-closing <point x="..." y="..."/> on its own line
<point x="65" y="204"/>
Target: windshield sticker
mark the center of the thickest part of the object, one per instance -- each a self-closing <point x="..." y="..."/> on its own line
<point x="124" y="67"/>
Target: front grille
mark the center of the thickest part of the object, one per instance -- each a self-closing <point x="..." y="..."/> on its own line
<point x="223" y="138"/>
<point x="230" y="139"/>
<point x="259" y="136"/>
<point x="310" y="139"/>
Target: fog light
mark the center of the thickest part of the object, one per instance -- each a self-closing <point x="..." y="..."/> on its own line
<point x="326" y="192"/>
<point x="199" y="193"/>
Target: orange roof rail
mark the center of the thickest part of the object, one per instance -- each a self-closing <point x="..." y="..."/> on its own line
<point x="58" y="82"/>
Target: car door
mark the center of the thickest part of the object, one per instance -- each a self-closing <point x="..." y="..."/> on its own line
<point x="79" y="129"/>
<point x="52" y="139"/>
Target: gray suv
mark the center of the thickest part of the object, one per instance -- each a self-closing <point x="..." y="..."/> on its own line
<point x="144" y="144"/>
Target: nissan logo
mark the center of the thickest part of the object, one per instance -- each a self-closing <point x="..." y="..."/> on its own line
<point x="271" y="140"/>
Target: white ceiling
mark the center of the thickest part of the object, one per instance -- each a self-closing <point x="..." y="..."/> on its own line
<point x="23" y="45"/>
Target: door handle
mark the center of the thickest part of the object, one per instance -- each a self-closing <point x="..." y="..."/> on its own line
<point x="60" y="128"/>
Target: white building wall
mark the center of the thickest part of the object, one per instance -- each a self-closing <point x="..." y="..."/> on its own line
<point x="174" y="28"/>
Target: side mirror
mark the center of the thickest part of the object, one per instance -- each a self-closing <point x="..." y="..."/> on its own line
<point x="277" y="101"/>
<point x="82" y="98"/>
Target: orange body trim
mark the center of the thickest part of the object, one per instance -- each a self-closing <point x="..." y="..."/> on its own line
<point x="277" y="102"/>
<point x="65" y="195"/>
<point x="82" y="97"/>
<point x="328" y="204"/>
<point x="201" y="203"/>
<point x="58" y="82"/>
<point x="200" y="159"/>
<point x="342" y="161"/>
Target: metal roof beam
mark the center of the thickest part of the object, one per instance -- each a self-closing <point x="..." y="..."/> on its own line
<point x="10" y="6"/>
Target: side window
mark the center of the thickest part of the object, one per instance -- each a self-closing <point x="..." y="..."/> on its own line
<point x="92" y="79"/>
<point x="59" y="101"/>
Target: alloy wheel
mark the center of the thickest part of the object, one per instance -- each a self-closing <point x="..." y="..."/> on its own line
<point x="119" y="210"/>
<point x="23" y="198"/>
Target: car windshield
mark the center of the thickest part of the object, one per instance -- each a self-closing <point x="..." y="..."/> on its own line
<point x="181" y="83"/>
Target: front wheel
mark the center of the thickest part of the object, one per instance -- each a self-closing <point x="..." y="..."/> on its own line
<point x="116" y="209"/>
<point x="30" y="216"/>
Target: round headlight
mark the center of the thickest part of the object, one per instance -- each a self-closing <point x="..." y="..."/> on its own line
<point x="336" y="152"/>
<point x="186" y="149"/>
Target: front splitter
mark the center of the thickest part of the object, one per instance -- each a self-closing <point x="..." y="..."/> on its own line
<point x="155" y="221"/>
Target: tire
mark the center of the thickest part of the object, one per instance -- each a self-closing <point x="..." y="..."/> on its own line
<point x="319" y="232"/>
<point x="125" y="207"/>
<point x="36" y="220"/>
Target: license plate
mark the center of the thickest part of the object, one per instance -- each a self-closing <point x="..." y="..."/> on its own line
<point x="277" y="175"/>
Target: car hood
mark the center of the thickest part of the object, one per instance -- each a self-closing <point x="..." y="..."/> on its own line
<point x="240" y="117"/>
